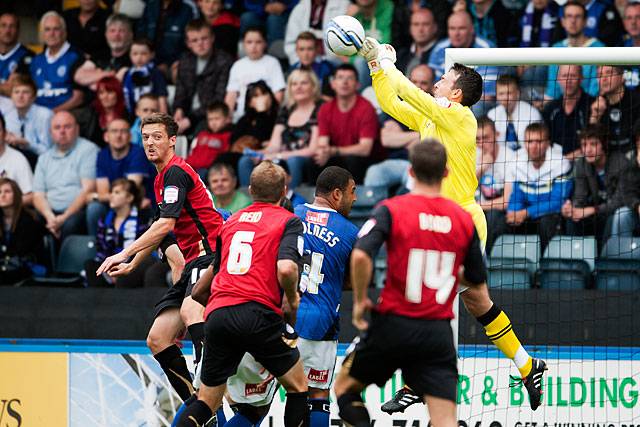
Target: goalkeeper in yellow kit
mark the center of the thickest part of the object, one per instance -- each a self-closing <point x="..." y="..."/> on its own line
<point x="447" y="117"/>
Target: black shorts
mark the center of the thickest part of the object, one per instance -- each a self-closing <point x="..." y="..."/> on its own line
<point x="422" y="349"/>
<point x="182" y="288"/>
<point x="232" y="331"/>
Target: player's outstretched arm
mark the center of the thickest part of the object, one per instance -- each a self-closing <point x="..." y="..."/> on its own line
<point x="440" y="112"/>
<point x="151" y="238"/>
<point x="126" y="268"/>
<point x="387" y="97"/>
<point x="392" y="105"/>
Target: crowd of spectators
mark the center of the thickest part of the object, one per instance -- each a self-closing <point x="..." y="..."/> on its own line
<point x="557" y="146"/>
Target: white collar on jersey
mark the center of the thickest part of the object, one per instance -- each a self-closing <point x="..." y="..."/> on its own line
<point x="320" y="208"/>
<point x="11" y="52"/>
<point x="51" y="59"/>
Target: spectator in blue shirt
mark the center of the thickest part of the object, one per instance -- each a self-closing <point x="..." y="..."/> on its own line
<point x="461" y="34"/>
<point x="574" y="21"/>
<point x="28" y="124"/>
<point x="146" y="105"/>
<point x="65" y="175"/>
<point x="538" y="183"/>
<point x="310" y="59"/>
<point x="14" y="57"/>
<point x="117" y="229"/>
<point x="119" y="159"/>
<point x="53" y="69"/>
<point x="143" y="77"/>
<point x="631" y="22"/>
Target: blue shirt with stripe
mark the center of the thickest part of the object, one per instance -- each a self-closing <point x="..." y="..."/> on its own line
<point x="328" y="240"/>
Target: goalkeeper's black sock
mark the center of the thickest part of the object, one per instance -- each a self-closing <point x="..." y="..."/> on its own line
<point x="195" y="415"/>
<point x="353" y="411"/>
<point x="174" y="366"/>
<point x="196" y="331"/>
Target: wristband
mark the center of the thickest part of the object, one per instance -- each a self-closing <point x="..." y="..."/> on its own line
<point x="374" y="66"/>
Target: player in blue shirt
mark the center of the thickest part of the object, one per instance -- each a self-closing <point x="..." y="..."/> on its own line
<point x="328" y="239"/>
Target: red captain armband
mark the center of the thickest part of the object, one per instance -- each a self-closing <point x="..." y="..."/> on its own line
<point x="443" y="102"/>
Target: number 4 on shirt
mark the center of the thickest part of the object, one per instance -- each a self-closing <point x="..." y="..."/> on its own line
<point x="433" y="269"/>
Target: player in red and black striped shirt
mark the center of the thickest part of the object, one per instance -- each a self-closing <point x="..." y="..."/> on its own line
<point x="428" y="239"/>
<point x="187" y="210"/>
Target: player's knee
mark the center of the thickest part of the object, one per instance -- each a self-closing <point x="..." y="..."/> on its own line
<point x="157" y="340"/>
<point x="252" y="413"/>
<point x="191" y="312"/>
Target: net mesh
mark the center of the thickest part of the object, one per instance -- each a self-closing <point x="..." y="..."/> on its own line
<point x="563" y="249"/>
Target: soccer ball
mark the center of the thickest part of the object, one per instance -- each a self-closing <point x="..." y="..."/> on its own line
<point x="344" y="35"/>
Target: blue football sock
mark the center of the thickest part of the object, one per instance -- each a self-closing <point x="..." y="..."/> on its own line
<point x="182" y="408"/>
<point x="238" y="420"/>
<point x="222" y="419"/>
<point x="319" y="414"/>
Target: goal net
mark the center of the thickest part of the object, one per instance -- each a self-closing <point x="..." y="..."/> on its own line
<point x="556" y="166"/>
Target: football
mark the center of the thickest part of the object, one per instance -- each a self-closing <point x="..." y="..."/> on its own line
<point x="344" y="35"/>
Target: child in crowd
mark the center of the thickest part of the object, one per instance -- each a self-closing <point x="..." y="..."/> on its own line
<point x="226" y="25"/>
<point x="143" y="77"/>
<point x="146" y="105"/>
<point x="252" y="68"/>
<point x="213" y="141"/>
<point x="120" y="227"/>
<point x="307" y="49"/>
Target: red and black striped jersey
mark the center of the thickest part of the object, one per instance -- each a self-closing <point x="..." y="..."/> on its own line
<point x="428" y="239"/>
<point x="251" y="243"/>
<point x="181" y="194"/>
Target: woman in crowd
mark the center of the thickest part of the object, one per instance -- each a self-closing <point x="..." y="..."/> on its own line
<point x="295" y="134"/>
<point x="108" y="106"/>
<point x="117" y="230"/>
<point x="21" y="235"/>
<point x="255" y="126"/>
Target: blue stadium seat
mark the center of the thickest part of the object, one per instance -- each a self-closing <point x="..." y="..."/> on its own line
<point x="75" y="250"/>
<point x="367" y="199"/>
<point x="308" y="192"/>
<point x="513" y="261"/>
<point x="618" y="268"/>
<point x="380" y="267"/>
<point x="567" y="263"/>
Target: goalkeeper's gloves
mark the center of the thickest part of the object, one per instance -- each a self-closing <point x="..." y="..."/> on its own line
<point x="369" y="51"/>
<point x="386" y="56"/>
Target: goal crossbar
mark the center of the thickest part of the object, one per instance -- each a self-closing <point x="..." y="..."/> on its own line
<point x="514" y="56"/>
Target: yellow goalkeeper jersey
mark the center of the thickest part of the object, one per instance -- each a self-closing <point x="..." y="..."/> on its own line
<point x="451" y="123"/>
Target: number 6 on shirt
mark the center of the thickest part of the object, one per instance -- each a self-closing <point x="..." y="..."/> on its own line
<point x="240" y="252"/>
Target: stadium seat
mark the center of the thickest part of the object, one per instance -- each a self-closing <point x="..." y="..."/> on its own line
<point x="513" y="261"/>
<point x="308" y="192"/>
<point x="75" y="250"/>
<point x="567" y="263"/>
<point x="618" y="268"/>
<point x="367" y="199"/>
<point x="380" y="267"/>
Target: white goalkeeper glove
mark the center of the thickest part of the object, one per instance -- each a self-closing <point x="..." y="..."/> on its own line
<point x="386" y="56"/>
<point x="369" y="51"/>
